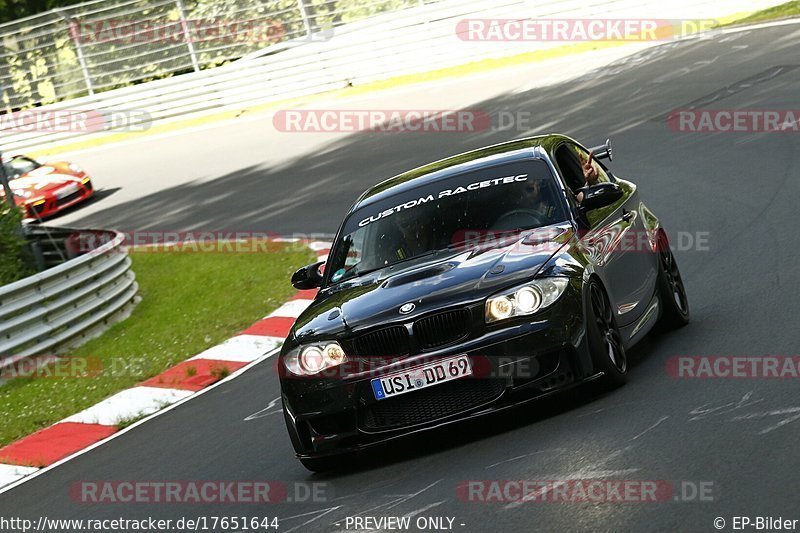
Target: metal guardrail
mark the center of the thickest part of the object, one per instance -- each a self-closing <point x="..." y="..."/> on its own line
<point x="416" y="39"/>
<point x="99" y="45"/>
<point x="54" y="308"/>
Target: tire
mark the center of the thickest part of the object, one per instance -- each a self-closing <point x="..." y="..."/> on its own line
<point x="671" y="291"/>
<point x="605" y="342"/>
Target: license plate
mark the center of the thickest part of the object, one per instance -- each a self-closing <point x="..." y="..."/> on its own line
<point x="66" y="190"/>
<point x="421" y="377"/>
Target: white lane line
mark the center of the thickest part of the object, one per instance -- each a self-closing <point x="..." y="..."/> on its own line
<point x="242" y="348"/>
<point x="11" y="473"/>
<point x="118" y="434"/>
<point x="128" y="404"/>
<point x="737" y="29"/>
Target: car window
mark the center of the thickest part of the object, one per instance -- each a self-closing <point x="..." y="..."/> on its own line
<point x="583" y="155"/>
<point x="570" y="167"/>
<point x="447" y="213"/>
<point x="570" y="159"/>
<point x="20" y="166"/>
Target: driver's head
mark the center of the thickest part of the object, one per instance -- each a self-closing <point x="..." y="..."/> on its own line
<point x="531" y="193"/>
<point x="405" y="219"/>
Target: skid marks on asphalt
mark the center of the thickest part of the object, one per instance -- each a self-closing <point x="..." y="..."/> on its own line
<point x="596" y="470"/>
<point x="790" y="414"/>
<point x="274" y="407"/>
<point x="336" y="515"/>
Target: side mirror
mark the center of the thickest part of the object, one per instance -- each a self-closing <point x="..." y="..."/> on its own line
<point x="603" y="151"/>
<point x="600" y="195"/>
<point x="308" y="277"/>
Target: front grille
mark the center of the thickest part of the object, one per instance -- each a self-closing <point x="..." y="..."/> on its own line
<point x="442" y="329"/>
<point x="68" y="198"/>
<point x="385" y="342"/>
<point x="438" y="401"/>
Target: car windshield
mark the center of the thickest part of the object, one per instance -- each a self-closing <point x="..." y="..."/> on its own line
<point x="463" y="210"/>
<point x="19" y="166"/>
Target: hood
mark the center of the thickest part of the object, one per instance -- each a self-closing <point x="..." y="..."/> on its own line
<point x="42" y="180"/>
<point x="455" y="278"/>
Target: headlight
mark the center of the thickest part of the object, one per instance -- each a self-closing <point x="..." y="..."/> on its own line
<point x="75" y="168"/>
<point x="313" y="359"/>
<point x="22" y="193"/>
<point x="525" y="300"/>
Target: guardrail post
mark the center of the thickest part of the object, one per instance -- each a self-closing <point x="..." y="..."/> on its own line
<point x="304" y="15"/>
<point x="75" y="37"/>
<point x="6" y="187"/>
<point x="185" y="28"/>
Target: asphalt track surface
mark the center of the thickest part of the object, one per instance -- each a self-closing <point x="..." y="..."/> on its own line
<point x="740" y="190"/>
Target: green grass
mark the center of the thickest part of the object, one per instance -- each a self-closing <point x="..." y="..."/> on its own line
<point x="789" y="9"/>
<point x="190" y="302"/>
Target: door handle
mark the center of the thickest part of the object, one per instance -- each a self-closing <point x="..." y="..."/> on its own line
<point x="627" y="215"/>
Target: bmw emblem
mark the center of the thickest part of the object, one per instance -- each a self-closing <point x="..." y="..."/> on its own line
<point x="407" y="308"/>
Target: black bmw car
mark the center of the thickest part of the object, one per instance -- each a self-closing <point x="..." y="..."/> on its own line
<point x="471" y="285"/>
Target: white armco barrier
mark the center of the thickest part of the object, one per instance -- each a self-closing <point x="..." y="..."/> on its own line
<point x="413" y="40"/>
<point x="42" y="313"/>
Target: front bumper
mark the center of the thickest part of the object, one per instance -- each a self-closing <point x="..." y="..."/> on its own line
<point x="511" y="364"/>
<point x="53" y="204"/>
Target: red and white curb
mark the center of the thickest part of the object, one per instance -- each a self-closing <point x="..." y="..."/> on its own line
<point x="97" y="423"/>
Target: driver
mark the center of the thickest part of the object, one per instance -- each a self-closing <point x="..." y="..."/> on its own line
<point x="534" y="198"/>
<point x="405" y="235"/>
<point x="589" y="174"/>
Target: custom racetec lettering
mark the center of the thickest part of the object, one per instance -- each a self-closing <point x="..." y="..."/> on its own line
<point x="443" y="194"/>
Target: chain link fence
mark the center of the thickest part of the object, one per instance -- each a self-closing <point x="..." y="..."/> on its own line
<point x="105" y="44"/>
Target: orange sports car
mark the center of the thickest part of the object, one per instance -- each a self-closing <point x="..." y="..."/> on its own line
<point x="45" y="189"/>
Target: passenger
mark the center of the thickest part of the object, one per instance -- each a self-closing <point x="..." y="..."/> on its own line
<point x="589" y="174"/>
